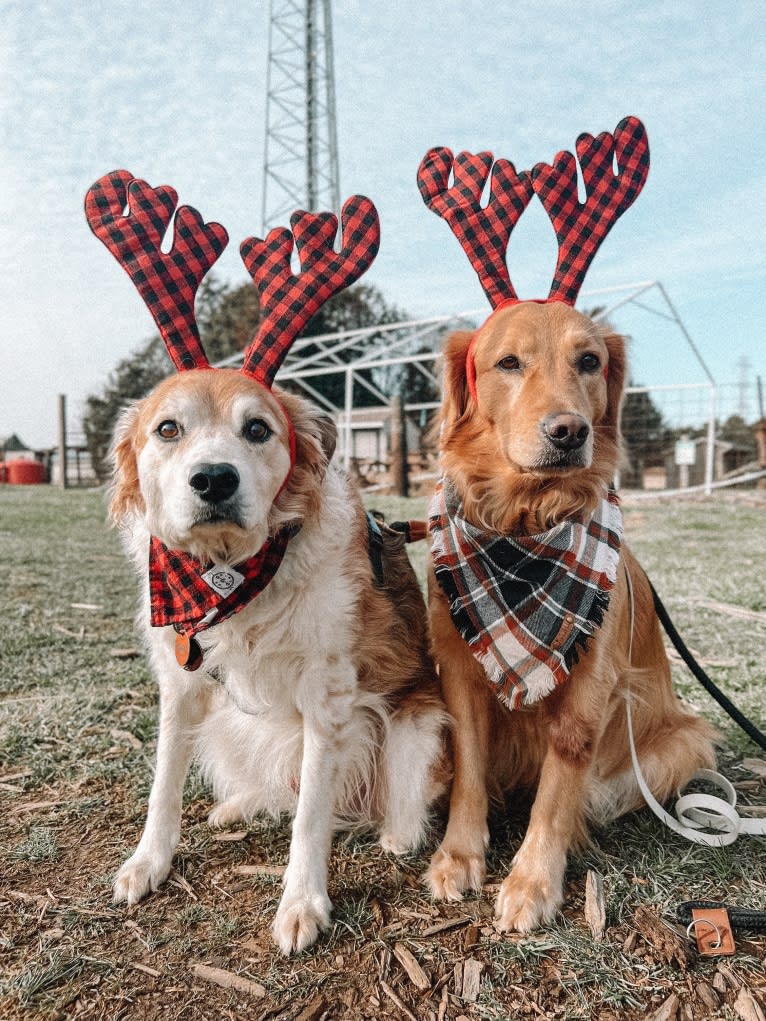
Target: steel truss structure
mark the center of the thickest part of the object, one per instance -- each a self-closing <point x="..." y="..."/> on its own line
<point x="363" y="356"/>
<point x="300" y="165"/>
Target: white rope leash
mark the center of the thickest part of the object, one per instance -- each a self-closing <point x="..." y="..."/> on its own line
<point x="697" y="813"/>
<point x="694" y="813"/>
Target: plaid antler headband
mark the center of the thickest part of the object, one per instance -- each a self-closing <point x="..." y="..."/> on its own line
<point x="131" y="218"/>
<point x="484" y="232"/>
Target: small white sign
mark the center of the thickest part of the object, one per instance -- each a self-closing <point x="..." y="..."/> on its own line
<point x="686" y="452"/>
<point x="223" y="580"/>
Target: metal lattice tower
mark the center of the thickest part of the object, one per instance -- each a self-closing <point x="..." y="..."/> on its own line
<point x="300" y="166"/>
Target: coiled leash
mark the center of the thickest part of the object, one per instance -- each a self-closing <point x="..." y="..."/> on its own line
<point x="696" y="815"/>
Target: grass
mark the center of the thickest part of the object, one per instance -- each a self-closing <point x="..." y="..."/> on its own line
<point x="77" y="733"/>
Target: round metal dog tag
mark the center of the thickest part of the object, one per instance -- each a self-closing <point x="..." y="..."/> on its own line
<point x="188" y="652"/>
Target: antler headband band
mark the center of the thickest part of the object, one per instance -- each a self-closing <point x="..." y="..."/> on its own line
<point x="484" y="232"/>
<point x="131" y="218"/>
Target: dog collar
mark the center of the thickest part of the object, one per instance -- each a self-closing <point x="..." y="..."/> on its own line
<point x="193" y="596"/>
<point x="525" y="605"/>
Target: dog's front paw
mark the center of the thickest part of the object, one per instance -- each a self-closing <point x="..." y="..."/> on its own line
<point x="526" y="901"/>
<point x="451" y="873"/>
<point x="141" y="874"/>
<point x="299" y="921"/>
<point x="393" y="843"/>
<point x="226" y="813"/>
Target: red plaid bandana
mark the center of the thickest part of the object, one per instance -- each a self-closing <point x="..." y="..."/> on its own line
<point x="194" y="596"/>
<point x="524" y="604"/>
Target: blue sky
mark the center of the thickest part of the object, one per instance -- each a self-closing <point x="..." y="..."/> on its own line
<point x="175" y="93"/>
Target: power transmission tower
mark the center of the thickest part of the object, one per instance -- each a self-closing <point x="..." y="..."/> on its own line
<point x="300" y="166"/>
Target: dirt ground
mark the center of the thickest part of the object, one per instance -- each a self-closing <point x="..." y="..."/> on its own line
<point x="77" y="731"/>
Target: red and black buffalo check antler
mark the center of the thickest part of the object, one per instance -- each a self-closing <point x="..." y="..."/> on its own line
<point x="582" y="226"/>
<point x="131" y="219"/>
<point x="288" y="301"/>
<point x="484" y="231"/>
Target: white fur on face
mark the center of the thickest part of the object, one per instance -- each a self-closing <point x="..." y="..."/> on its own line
<point x="212" y="412"/>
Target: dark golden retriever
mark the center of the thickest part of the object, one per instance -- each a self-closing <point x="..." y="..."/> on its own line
<point x="530" y="438"/>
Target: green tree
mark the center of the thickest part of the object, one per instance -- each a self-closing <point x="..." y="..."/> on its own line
<point x="736" y="430"/>
<point x="228" y="319"/>
<point x="132" y="379"/>
<point x="644" y="434"/>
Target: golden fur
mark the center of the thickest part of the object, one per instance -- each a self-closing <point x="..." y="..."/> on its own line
<point x="319" y="698"/>
<point x="537" y="364"/>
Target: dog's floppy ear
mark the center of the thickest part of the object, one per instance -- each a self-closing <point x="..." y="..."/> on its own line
<point x="328" y="434"/>
<point x="125" y="494"/>
<point x="456" y="396"/>
<point x="315" y="433"/>
<point x="615" y="380"/>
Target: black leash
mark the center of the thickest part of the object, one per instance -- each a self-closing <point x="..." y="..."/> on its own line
<point x="742" y="919"/>
<point x="710" y="687"/>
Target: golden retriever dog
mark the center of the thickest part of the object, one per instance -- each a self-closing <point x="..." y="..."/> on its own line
<point x="318" y="699"/>
<point x="531" y="440"/>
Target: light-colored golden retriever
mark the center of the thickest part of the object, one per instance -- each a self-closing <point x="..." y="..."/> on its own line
<point x="318" y="699"/>
<point x="535" y="444"/>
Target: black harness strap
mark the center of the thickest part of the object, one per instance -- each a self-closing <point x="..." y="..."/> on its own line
<point x="375" y="549"/>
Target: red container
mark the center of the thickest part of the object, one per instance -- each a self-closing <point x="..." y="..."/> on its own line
<point x="3" y="477"/>
<point x="24" y="473"/>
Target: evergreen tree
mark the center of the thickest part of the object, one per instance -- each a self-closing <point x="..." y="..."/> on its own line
<point x="644" y="434"/>
<point x="131" y="380"/>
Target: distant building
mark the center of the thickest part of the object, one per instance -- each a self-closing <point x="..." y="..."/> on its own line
<point x="19" y="463"/>
<point x="13" y="448"/>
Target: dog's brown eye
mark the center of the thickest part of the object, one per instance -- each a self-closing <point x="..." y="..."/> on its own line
<point x="509" y="364"/>
<point x="590" y="363"/>
<point x="168" y="430"/>
<point x="257" y="431"/>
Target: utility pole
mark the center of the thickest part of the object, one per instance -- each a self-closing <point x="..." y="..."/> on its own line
<point x="300" y="165"/>
<point x="743" y="386"/>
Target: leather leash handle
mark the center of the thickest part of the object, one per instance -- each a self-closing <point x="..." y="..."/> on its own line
<point x="741" y="919"/>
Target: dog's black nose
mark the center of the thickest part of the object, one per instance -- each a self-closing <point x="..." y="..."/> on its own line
<point x="566" y="431"/>
<point x="214" y="483"/>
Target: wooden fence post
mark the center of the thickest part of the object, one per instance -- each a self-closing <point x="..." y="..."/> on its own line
<point x="399" y="465"/>
<point x="62" y="442"/>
